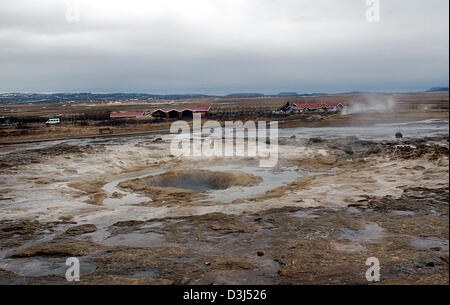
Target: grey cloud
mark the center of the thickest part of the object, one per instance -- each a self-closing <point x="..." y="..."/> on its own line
<point x="223" y="46"/>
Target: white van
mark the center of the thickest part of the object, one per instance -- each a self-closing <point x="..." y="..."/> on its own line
<point x="52" y="121"/>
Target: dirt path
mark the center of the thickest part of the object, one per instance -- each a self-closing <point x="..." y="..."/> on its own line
<point x="113" y="135"/>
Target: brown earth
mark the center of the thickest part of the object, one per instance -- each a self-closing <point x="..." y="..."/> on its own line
<point x="279" y="246"/>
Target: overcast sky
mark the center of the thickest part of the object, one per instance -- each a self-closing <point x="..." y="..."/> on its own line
<point x="222" y="46"/>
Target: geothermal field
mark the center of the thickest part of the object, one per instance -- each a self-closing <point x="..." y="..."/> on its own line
<point x="134" y="213"/>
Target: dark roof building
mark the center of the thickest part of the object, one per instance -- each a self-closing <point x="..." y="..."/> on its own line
<point x="178" y="113"/>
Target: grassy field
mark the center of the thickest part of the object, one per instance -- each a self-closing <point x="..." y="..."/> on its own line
<point x="83" y="119"/>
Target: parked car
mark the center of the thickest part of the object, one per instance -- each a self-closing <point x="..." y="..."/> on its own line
<point x="52" y="121"/>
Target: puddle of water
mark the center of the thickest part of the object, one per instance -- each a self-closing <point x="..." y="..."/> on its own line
<point x="152" y="225"/>
<point x="349" y="247"/>
<point x="246" y="277"/>
<point x="148" y="239"/>
<point x="353" y="210"/>
<point x="403" y="213"/>
<point x="304" y="214"/>
<point x="42" y="266"/>
<point x="429" y="242"/>
<point x="435" y="213"/>
<point x="143" y="274"/>
<point x="371" y="233"/>
<point x="97" y="236"/>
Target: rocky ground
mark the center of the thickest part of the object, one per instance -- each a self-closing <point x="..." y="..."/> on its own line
<point x="371" y="199"/>
<point x="408" y="235"/>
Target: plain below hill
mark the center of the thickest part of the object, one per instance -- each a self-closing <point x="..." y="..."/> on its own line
<point x="437" y="89"/>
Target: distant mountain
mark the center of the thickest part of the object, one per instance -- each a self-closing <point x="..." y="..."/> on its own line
<point x="313" y="94"/>
<point x="245" y="95"/>
<point x="437" y="89"/>
<point x="354" y="92"/>
<point x="318" y="93"/>
<point x="287" y="94"/>
<point x="36" y="98"/>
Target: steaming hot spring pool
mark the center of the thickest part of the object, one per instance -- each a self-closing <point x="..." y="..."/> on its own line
<point x="219" y="183"/>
